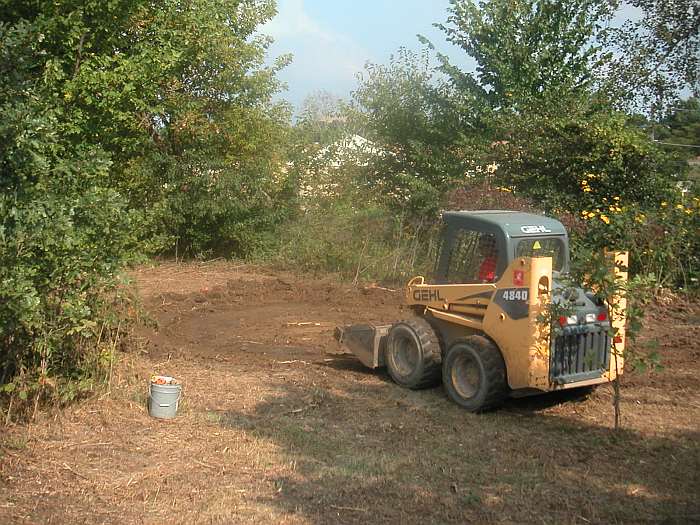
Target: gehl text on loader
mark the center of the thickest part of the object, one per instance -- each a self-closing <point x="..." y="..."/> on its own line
<point x="478" y="324"/>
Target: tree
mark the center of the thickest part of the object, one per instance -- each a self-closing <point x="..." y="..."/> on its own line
<point x="580" y="160"/>
<point x="527" y="50"/>
<point x="555" y="138"/>
<point x="656" y="57"/>
<point x="64" y="232"/>
<point x="411" y="114"/>
<point x="123" y="121"/>
<point x="178" y="95"/>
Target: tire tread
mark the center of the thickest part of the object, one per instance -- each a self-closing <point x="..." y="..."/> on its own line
<point x="432" y="354"/>
<point x="495" y="369"/>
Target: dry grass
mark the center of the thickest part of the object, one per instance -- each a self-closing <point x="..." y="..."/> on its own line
<point x="277" y="427"/>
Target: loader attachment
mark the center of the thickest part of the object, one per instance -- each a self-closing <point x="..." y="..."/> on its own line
<point x="366" y="341"/>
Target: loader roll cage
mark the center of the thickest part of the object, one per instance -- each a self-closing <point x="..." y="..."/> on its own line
<point x="511" y="234"/>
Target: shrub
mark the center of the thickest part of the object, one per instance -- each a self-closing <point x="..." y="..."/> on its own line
<point x="357" y="240"/>
<point x="64" y="236"/>
<point x="662" y="241"/>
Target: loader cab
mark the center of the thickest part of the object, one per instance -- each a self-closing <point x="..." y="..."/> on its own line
<point x="477" y="246"/>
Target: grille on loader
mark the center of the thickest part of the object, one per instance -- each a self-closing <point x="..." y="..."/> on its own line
<point x="579" y="353"/>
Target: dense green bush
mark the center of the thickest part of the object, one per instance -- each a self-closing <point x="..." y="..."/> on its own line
<point x="64" y="236"/>
<point x="59" y="263"/>
<point x="123" y="123"/>
<point x="662" y="241"/>
<point x="358" y="241"/>
<point x="573" y="156"/>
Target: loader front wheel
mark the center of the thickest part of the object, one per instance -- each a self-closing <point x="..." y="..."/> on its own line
<point x="474" y="374"/>
<point x="413" y="355"/>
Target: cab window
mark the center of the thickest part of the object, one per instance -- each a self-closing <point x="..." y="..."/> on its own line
<point x="473" y="259"/>
<point x="549" y="247"/>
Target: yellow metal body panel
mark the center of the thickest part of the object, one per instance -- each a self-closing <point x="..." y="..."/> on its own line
<point x="524" y="343"/>
<point x="619" y="318"/>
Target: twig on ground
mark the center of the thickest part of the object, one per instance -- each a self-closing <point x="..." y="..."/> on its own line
<point x="203" y="263"/>
<point x="88" y="444"/>
<point x="65" y="466"/>
<point x="376" y="287"/>
<point x="205" y="464"/>
<point x="355" y="509"/>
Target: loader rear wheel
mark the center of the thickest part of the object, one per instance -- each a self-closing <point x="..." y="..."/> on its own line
<point x="474" y="374"/>
<point x="413" y="355"/>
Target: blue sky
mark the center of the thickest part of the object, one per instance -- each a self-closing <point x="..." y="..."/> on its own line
<point x="331" y="40"/>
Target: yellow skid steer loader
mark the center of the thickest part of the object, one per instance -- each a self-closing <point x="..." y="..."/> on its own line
<point x="479" y="325"/>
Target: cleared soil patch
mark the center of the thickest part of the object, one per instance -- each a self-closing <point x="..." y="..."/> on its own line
<point x="277" y="425"/>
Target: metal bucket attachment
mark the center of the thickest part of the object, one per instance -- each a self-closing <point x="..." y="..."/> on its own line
<point x="365" y="341"/>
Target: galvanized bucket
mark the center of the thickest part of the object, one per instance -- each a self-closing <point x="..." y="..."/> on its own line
<point x="164" y="398"/>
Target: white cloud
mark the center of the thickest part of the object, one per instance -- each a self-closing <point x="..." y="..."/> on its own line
<point x="323" y="59"/>
<point x="293" y="22"/>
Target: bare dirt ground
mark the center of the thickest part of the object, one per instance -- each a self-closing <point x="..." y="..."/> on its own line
<point x="278" y="426"/>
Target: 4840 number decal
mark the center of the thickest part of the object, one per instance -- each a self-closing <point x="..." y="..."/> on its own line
<point x="513" y="301"/>
<point x="514" y="294"/>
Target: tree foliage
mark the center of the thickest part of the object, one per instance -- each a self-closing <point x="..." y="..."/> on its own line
<point x="577" y="159"/>
<point x="422" y="127"/>
<point x="64" y="232"/>
<point x="656" y="56"/>
<point x="527" y="50"/>
<point x="537" y="109"/>
<point x="178" y="96"/>
<point x="125" y="126"/>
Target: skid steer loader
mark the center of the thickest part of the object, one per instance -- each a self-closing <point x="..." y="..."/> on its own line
<point x="479" y="326"/>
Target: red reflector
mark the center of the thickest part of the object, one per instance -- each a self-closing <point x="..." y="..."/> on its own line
<point x="562" y="320"/>
<point x="602" y="316"/>
<point x="617" y="339"/>
<point x="518" y="278"/>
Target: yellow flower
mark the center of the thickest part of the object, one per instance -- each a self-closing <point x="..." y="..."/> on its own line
<point x="664" y="204"/>
<point x="680" y="207"/>
<point x="616" y="198"/>
<point x="604" y="218"/>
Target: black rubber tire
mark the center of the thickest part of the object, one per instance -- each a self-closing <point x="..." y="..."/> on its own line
<point x="474" y="374"/>
<point x="413" y="355"/>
